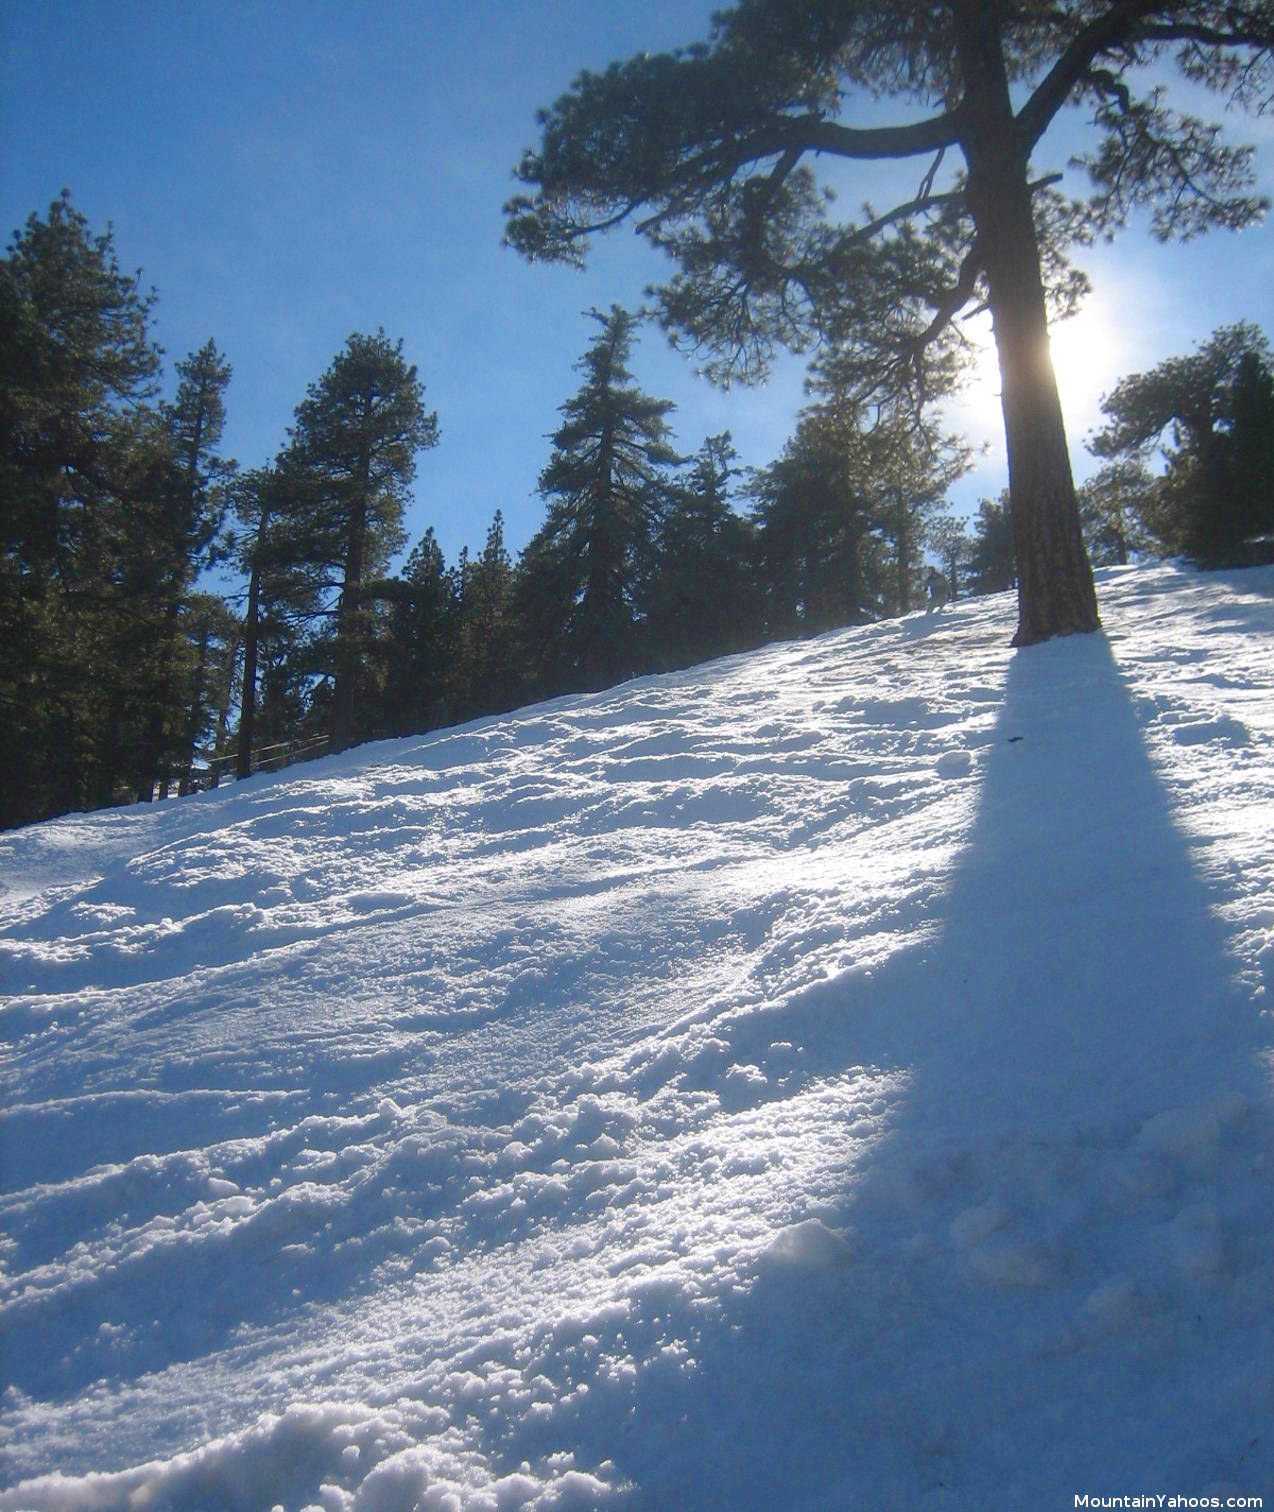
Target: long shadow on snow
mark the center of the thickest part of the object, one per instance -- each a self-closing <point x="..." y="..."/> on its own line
<point x="997" y="1262"/>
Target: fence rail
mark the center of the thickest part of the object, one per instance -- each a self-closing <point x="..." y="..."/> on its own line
<point x="271" y="758"/>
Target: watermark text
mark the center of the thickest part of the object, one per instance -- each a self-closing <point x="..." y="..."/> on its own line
<point x="1167" y="1501"/>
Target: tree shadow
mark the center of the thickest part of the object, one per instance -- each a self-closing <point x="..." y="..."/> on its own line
<point x="1063" y="1215"/>
<point x="1050" y="1215"/>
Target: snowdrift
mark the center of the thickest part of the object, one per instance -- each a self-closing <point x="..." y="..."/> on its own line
<point x="837" y="1076"/>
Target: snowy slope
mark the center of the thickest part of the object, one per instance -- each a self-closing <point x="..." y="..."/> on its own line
<point x="833" y="1077"/>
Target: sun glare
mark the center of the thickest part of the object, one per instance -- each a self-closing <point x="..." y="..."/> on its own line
<point x="1087" y="360"/>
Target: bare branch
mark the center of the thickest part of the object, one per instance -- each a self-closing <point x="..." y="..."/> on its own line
<point x="926" y="183"/>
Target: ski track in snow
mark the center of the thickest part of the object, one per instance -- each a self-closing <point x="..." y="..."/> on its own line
<point x="832" y="1076"/>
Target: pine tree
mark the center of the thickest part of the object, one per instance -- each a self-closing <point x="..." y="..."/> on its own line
<point x="820" y="564"/>
<point x="1213" y="501"/>
<point x="703" y="599"/>
<point x="78" y="357"/>
<point x="992" y="567"/>
<point x="488" y="674"/>
<point x="186" y="515"/>
<point x="844" y="511"/>
<point x="907" y="466"/>
<point x="285" y="596"/>
<point x="420" y="645"/>
<point x="355" y="442"/>
<point x="708" y="150"/>
<point x="78" y="368"/>
<point x="1111" y="506"/>
<point x="948" y="538"/>
<point x="1251" y="445"/>
<point x="211" y="635"/>
<point x="605" y="485"/>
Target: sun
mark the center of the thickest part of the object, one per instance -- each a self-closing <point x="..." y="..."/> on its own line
<point x="1088" y="360"/>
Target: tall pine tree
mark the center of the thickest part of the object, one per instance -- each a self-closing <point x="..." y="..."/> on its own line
<point x="355" y="441"/>
<point x="947" y="537"/>
<point x="605" y="487"/>
<point x="78" y="368"/>
<point x="992" y="567"/>
<point x="1211" y="415"/>
<point x="704" y="600"/>
<point x="713" y="153"/>
<point x="821" y="563"/>
<point x="488" y="673"/>
<point x="286" y="594"/>
<point x="186" y="514"/>
<point x="419" y="649"/>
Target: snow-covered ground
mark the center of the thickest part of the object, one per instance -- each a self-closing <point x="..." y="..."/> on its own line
<point x="833" y="1077"/>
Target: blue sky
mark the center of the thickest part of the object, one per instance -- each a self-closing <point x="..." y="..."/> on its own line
<point x="285" y="174"/>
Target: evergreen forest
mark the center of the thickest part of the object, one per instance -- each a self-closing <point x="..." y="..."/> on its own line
<point x="171" y="619"/>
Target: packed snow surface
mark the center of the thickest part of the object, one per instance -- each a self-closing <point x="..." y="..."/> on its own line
<point x="832" y="1077"/>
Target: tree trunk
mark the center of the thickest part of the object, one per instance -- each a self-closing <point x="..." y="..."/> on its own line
<point x="196" y="716"/>
<point x="152" y="762"/>
<point x="153" y="745"/>
<point x="248" y="708"/>
<point x="598" y="658"/>
<point x="1055" y="588"/>
<point x="854" y="580"/>
<point x="349" y="621"/>
<point x="904" y="554"/>
<point x="223" y="716"/>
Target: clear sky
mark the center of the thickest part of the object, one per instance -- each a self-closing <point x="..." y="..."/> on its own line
<point x="287" y="173"/>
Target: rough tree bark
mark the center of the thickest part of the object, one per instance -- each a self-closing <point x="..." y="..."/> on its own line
<point x="1056" y="595"/>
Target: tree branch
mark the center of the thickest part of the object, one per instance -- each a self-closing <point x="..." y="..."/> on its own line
<point x="917" y="206"/>
<point x="818" y="135"/>
<point x="1207" y="36"/>
<point x="948" y="304"/>
<point x="1119" y="24"/>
